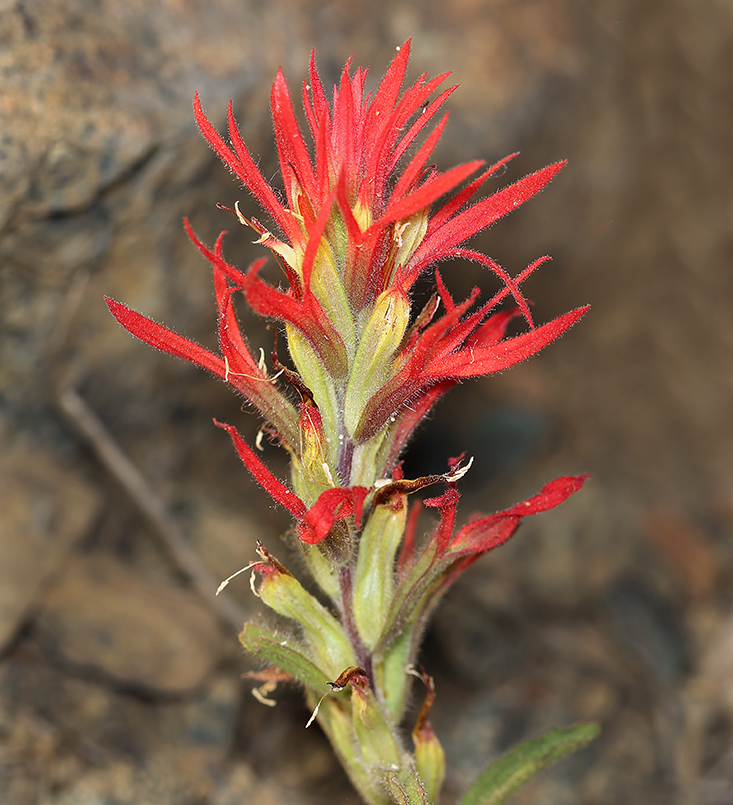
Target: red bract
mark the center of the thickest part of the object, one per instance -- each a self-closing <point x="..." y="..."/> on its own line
<point x="486" y="533"/>
<point x="314" y="523"/>
<point x="425" y="575"/>
<point x="332" y="505"/>
<point x="236" y="365"/>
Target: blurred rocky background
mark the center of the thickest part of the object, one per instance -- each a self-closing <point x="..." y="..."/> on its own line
<point x="119" y="681"/>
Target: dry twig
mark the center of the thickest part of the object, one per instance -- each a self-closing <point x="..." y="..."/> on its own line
<point x="90" y="428"/>
<point x="88" y="425"/>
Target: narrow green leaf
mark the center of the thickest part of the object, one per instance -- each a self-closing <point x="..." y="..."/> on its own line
<point x="278" y="652"/>
<point x="503" y="777"/>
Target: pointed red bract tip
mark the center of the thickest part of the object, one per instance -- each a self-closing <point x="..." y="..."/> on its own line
<point x="477" y="361"/>
<point x="274" y="488"/>
<point x="164" y="339"/>
<point x="486" y="533"/>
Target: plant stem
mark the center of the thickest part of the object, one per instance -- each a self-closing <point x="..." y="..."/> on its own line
<point x="363" y="655"/>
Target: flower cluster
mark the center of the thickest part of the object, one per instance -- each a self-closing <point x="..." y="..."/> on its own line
<point x="364" y="215"/>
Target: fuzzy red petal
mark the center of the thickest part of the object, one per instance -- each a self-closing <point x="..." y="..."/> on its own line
<point x="274" y="488"/>
<point x="482" y="535"/>
<point x="332" y="505"/>
<point x="483" y="213"/>
<point x="447" y="503"/>
<point x="290" y="145"/>
<point x="242" y="164"/>
<point x="478" y="361"/>
<point x="427" y="193"/>
<point x="164" y="339"/>
<point x="412" y="172"/>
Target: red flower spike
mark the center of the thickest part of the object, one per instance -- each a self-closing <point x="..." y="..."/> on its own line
<point x="362" y="216"/>
<point x="358" y="144"/>
<point x="358" y="226"/>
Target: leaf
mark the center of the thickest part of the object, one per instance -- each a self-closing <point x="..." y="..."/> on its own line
<point x="503" y="777"/>
<point x="266" y="645"/>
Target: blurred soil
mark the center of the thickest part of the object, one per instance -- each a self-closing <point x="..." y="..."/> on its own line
<point x="119" y="683"/>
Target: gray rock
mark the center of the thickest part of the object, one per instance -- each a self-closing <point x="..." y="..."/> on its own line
<point x="44" y="511"/>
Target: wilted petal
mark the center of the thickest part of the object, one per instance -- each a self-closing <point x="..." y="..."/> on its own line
<point x="332" y="505"/>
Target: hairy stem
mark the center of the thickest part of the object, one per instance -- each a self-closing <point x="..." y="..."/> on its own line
<point x="363" y="655"/>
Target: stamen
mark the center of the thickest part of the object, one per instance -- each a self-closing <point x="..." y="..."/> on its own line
<point x="315" y="712"/>
<point x="261" y="365"/>
<point x="226" y="581"/>
<point x="242" y="219"/>
<point x="459" y="472"/>
<point x="398" y="231"/>
<point x="327" y="471"/>
<point x="261" y="694"/>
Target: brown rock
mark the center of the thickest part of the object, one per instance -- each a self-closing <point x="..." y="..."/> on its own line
<point x="171" y="777"/>
<point x="105" y="618"/>
<point x="685" y="550"/>
<point x="714" y="681"/>
<point x="45" y="509"/>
